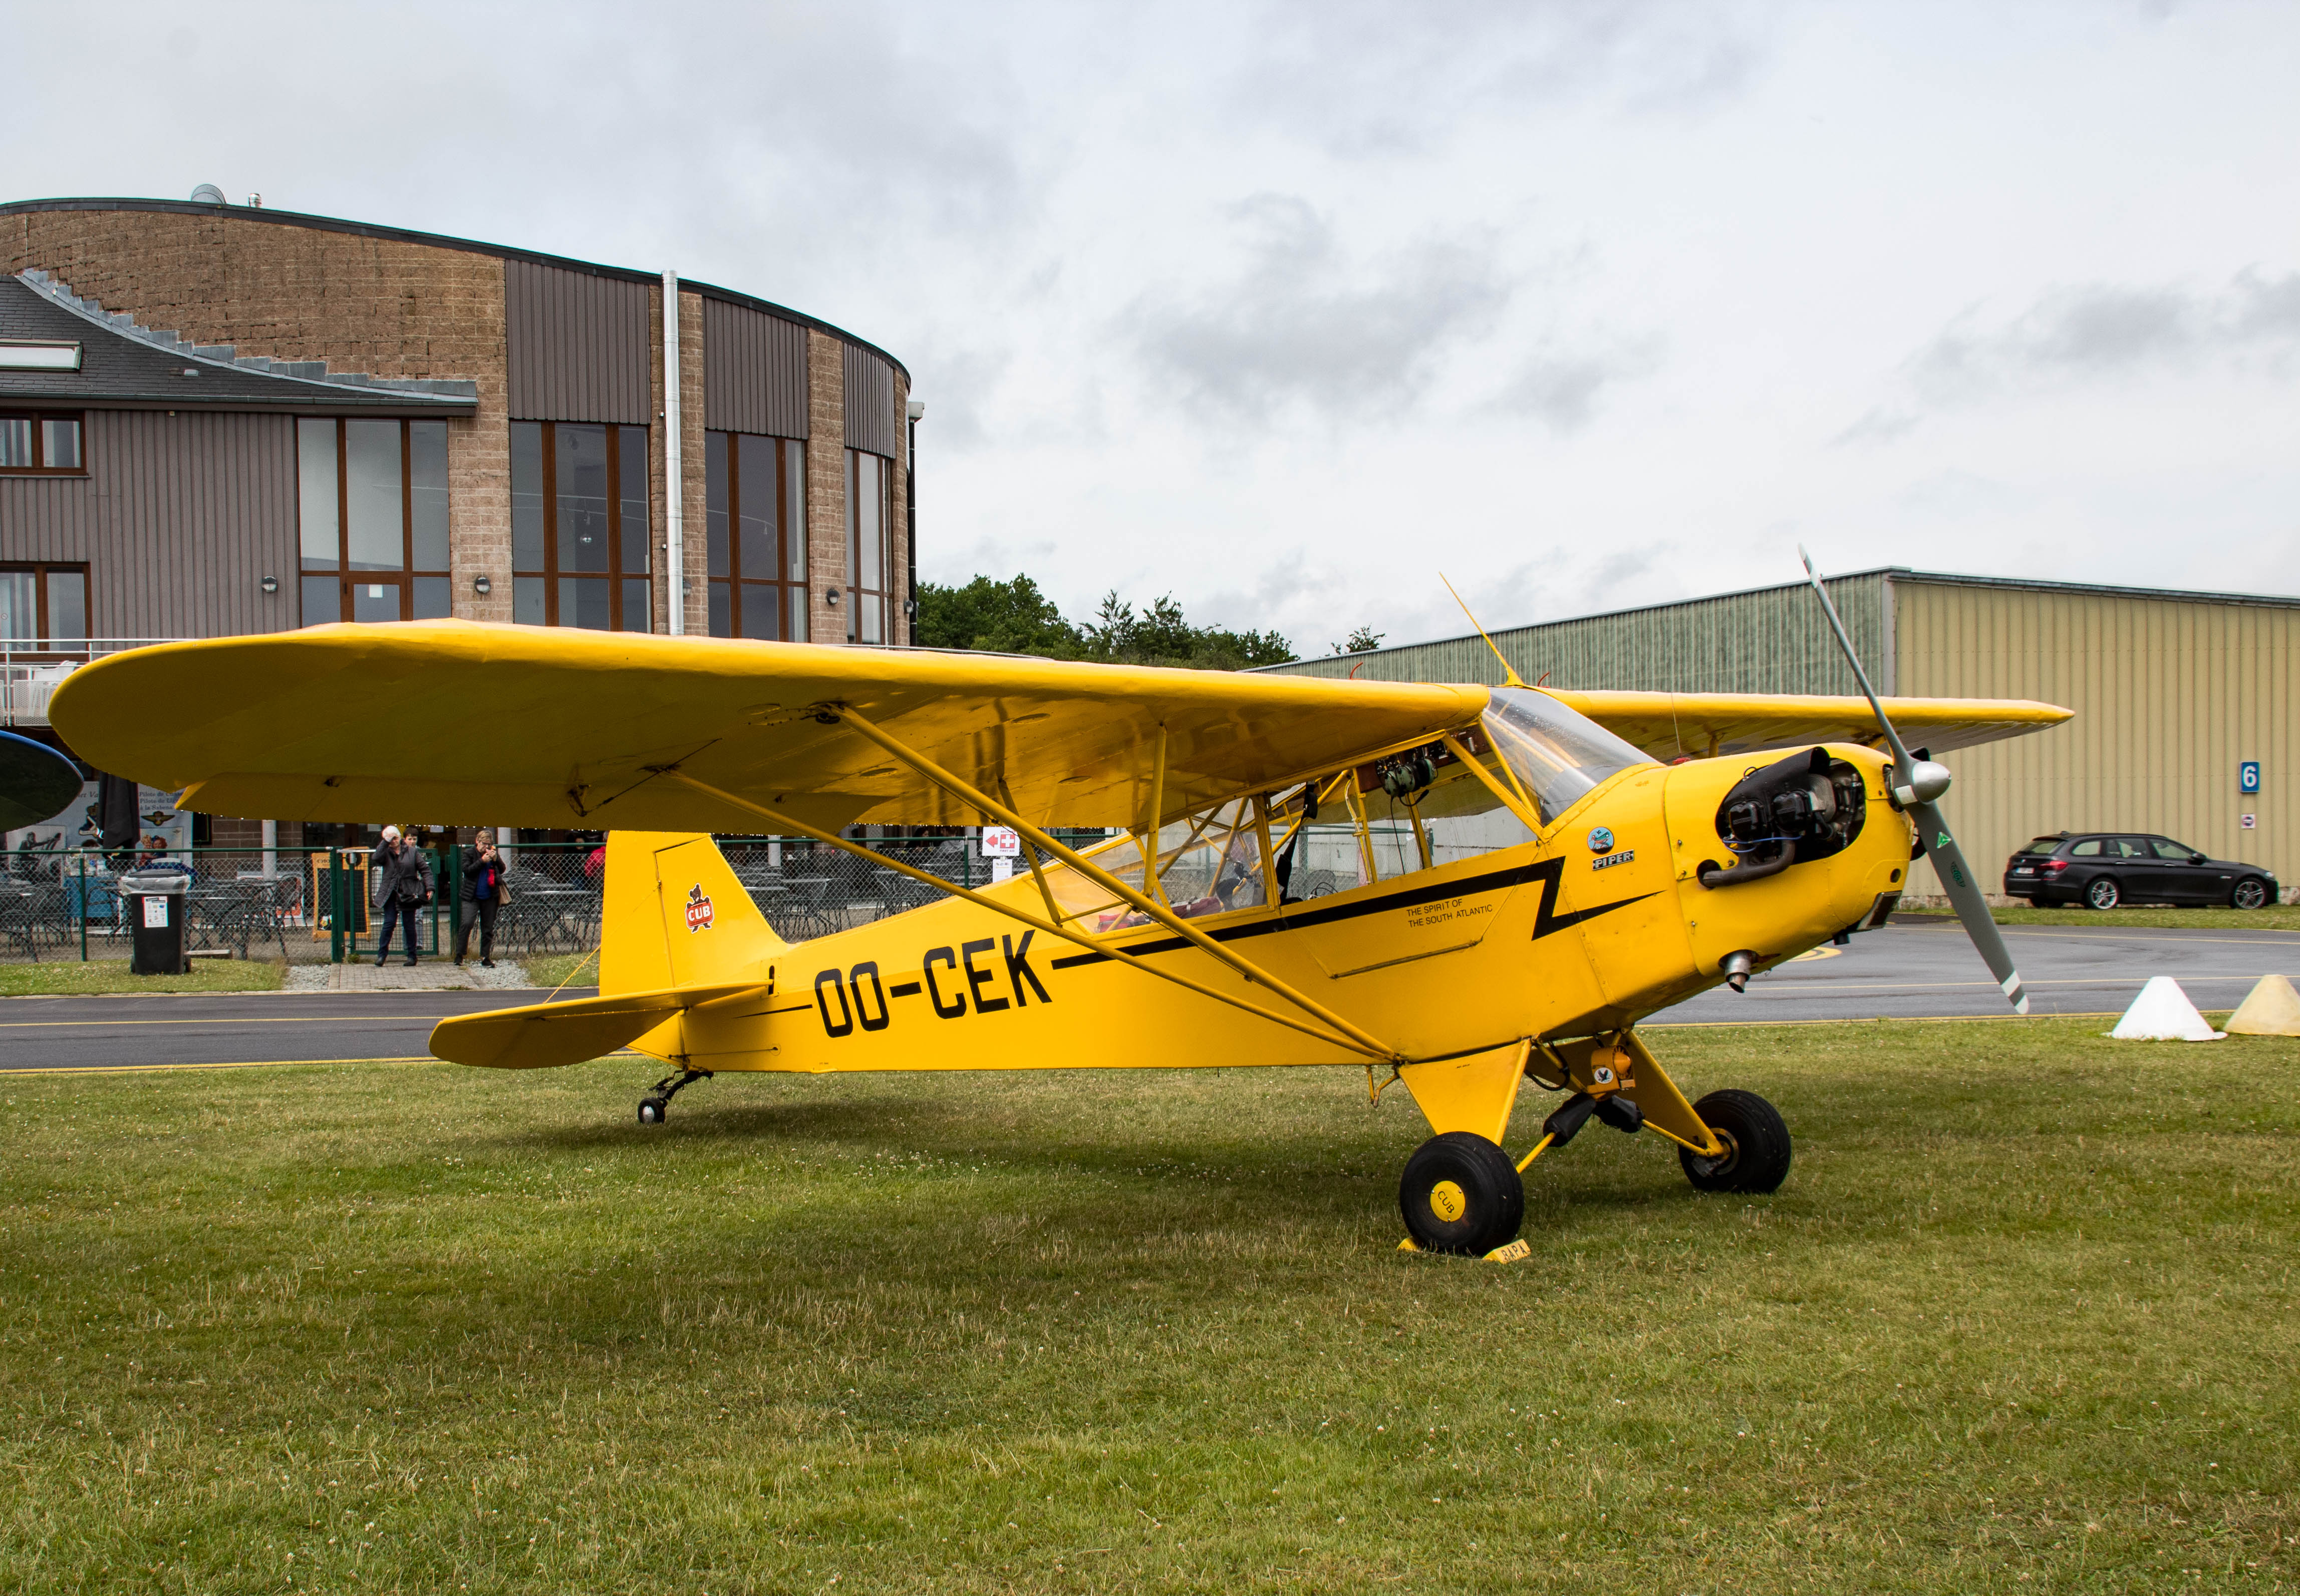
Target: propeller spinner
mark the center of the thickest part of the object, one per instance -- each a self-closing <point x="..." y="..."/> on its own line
<point x="1917" y="785"/>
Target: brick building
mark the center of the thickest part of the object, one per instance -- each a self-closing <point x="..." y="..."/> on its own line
<point x="218" y="420"/>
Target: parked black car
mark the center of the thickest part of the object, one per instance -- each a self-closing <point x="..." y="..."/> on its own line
<point x="2101" y="870"/>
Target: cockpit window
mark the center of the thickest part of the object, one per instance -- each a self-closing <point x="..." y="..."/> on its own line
<point x="1558" y="753"/>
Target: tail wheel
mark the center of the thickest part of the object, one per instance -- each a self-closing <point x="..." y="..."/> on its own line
<point x="2104" y="893"/>
<point x="2250" y="892"/>
<point x="1756" y="1140"/>
<point x="1460" y="1193"/>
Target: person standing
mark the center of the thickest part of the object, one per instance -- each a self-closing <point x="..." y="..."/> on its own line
<point x="403" y="885"/>
<point x="482" y="897"/>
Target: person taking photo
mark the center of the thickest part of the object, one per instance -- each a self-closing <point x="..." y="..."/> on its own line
<point x="403" y="885"/>
<point x="482" y="898"/>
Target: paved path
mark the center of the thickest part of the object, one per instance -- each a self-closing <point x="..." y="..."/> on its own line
<point x="165" y="1031"/>
<point x="1927" y="969"/>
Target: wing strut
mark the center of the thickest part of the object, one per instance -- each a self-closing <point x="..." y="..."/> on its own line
<point x="777" y="817"/>
<point x="1111" y="884"/>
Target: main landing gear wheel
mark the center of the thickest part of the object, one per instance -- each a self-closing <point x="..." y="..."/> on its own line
<point x="1756" y="1146"/>
<point x="1460" y="1193"/>
<point x="2103" y="893"/>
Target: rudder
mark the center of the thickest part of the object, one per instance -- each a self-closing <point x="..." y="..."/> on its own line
<point x="675" y="915"/>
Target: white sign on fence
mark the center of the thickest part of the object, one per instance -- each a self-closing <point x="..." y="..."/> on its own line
<point x="1001" y="841"/>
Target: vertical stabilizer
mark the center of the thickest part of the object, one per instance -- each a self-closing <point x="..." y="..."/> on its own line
<point x="675" y="915"/>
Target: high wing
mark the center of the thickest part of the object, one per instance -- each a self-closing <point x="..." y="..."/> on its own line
<point x="461" y="722"/>
<point x="1672" y="725"/>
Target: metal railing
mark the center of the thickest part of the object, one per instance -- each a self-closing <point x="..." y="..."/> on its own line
<point x="316" y="905"/>
<point x="31" y="669"/>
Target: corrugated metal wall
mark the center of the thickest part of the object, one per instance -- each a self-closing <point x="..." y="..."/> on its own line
<point x="579" y="346"/>
<point x="1772" y="640"/>
<point x="754" y="372"/>
<point x="2170" y="694"/>
<point x="180" y="520"/>
<point x="871" y="422"/>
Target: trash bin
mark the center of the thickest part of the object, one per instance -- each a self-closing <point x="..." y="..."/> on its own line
<point x="155" y="915"/>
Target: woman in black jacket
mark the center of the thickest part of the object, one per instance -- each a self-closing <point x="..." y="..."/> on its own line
<point x="482" y="896"/>
<point x="403" y="885"/>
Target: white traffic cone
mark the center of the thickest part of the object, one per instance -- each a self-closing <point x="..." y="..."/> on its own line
<point x="2273" y="1009"/>
<point x="2163" y="1013"/>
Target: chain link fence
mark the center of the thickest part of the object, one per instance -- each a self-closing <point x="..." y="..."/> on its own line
<point x="316" y="905"/>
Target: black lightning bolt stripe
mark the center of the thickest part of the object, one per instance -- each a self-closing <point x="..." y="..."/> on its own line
<point x="1547" y="872"/>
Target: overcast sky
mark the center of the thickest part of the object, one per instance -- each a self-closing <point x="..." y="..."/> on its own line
<point x="1285" y="309"/>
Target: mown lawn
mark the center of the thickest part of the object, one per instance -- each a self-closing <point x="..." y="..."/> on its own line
<point x="2271" y="916"/>
<point x="2023" y="1320"/>
<point x="70" y="977"/>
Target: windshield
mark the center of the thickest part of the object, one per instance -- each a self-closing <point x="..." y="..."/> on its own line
<point x="1558" y="753"/>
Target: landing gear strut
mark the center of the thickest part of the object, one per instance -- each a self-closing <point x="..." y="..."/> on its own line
<point x="654" y="1108"/>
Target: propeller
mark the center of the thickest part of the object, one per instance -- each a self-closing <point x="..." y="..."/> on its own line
<point x="1917" y="784"/>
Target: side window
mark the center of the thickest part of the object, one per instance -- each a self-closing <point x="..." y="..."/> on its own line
<point x="2128" y="847"/>
<point x="41" y="445"/>
<point x="2166" y="848"/>
<point x="1363" y="834"/>
<point x="2088" y="849"/>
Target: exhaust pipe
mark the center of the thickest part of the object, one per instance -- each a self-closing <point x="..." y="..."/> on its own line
<point x="1736" y="967"/>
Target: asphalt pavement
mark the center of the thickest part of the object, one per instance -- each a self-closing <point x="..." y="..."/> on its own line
<point x="1926" y="968"/>
<point x="202" y="1030"/>
<point x="1911" y="969"/>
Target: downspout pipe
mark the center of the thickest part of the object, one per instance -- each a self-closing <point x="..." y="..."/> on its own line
<point x="674" y="472"/>
<point x="917" y="409"/>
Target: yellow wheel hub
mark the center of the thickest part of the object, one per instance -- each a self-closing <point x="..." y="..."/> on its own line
<point x="1448" y="1202"/>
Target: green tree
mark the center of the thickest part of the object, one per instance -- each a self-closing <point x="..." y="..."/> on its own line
<point x="1007" y="617"/>
<point x="1363" y="641"/>
<point x="1014" y="617"/>
<point x="1161" y="635"/>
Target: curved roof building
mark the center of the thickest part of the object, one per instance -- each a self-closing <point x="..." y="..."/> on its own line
<point x="219" y="418"/>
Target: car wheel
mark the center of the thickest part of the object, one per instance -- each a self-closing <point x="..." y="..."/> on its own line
<point x="2103" y="893"/>
<point x="2250" y="892"/>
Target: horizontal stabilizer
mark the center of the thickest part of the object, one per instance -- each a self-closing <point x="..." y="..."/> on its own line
<point x="548" y="1035"/>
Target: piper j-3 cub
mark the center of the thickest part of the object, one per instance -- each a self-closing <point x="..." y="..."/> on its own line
<point x="1517" y="877"/>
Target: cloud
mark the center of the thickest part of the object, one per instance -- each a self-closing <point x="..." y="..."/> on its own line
<point x="1364" y="78"/>
<point x="1563" y="389"/>
<point x="1303" y="324"/>
<point x="2101" y="330"/>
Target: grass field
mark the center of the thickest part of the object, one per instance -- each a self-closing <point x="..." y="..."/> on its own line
<point x="547" y="970"/>
<point x="69" y="977"/>
<point x="2023" y="1320"/>
<point x="2273" y="916"/>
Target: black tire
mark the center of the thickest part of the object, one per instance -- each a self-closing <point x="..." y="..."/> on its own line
<point x="1757" y="1145"/>
<point x="652" y="1110"/>
<point x="1486" y="1200"/>
<point x="2103" y="893"/>
<point x="2251" y="893"/>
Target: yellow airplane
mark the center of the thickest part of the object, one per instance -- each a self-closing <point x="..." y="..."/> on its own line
<point x="1521" y="878"/>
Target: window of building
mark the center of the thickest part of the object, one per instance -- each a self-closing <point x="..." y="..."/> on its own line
<point x="868" y="560"/>
<point x="579" y="546"/>
<point x="371" y="519"/>
<point x="754" y="493"/>
<point x="41" y="445"/>
<point x="45" y="605"/>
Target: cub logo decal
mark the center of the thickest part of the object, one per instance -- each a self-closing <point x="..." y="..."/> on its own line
<point x="698" y="909"/>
